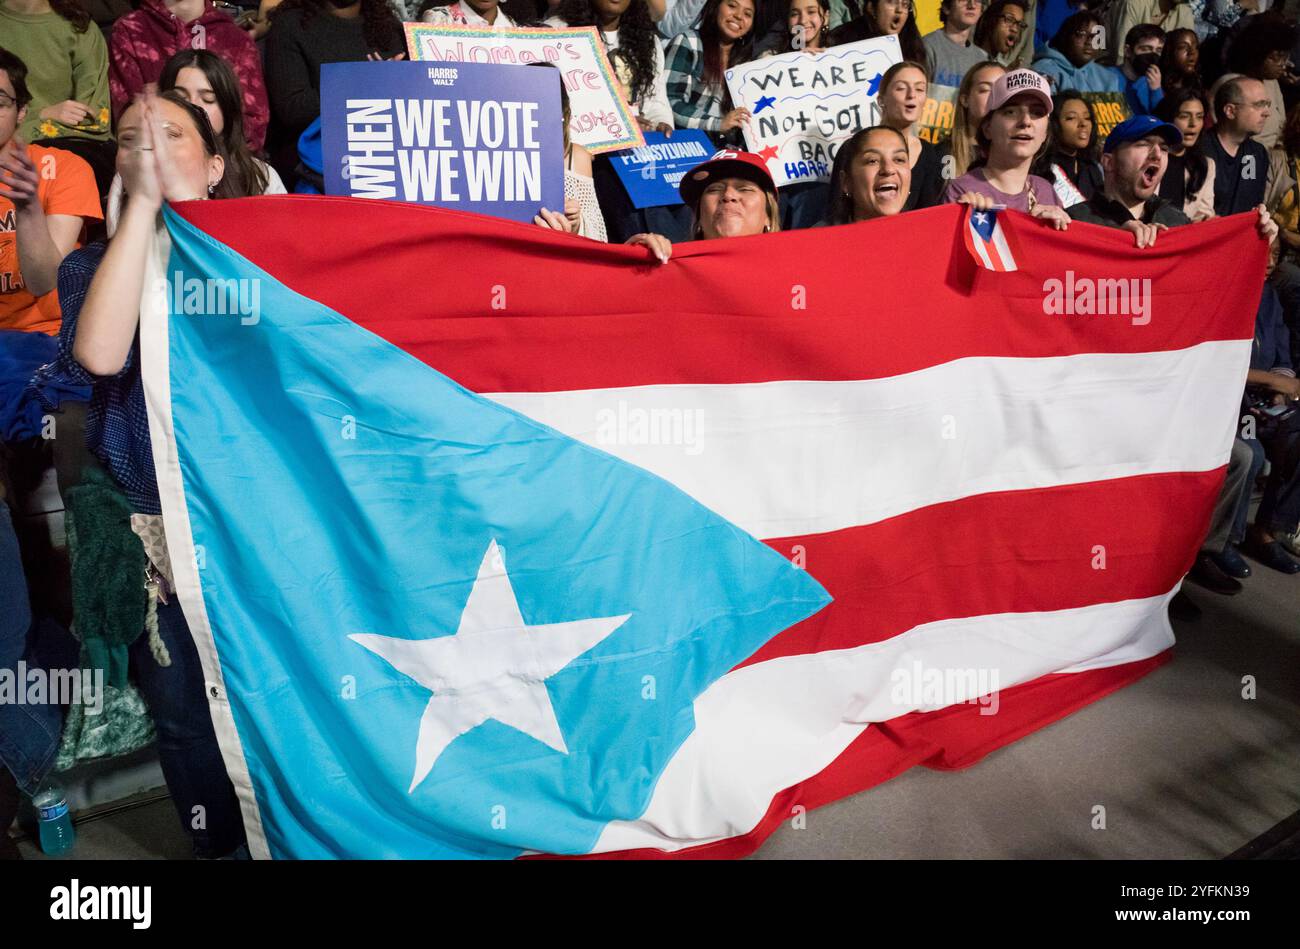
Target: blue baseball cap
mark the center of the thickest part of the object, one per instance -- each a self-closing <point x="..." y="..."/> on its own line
<point x="1139" y="127"/>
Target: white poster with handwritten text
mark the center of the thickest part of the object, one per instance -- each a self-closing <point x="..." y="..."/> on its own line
<point x="804" y="105"/>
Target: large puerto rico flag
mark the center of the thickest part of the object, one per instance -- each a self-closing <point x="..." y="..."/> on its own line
<point x="499" y="542"/>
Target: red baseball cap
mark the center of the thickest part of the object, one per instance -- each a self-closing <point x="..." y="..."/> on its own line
<point x="727" y="163"/>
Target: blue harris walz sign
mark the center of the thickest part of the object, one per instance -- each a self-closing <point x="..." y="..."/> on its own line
<point x="652" y="174"/>
<point x="474" y="136"/>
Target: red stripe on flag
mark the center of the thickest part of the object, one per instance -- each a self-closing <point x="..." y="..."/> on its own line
<point x="1009" y="552"/>
<point x="506" y="307"/>
<point x="949" y="739"/>
<point x="522" y="309"/>
<point x="1000" y="262"/>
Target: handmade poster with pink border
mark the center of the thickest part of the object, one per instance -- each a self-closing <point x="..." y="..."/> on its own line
<point x="600" y="117"/>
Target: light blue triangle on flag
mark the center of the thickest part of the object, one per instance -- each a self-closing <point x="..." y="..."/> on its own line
<point x="369" y="528"/>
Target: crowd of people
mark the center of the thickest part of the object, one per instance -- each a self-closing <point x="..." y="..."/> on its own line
<point x="107" y="112"/>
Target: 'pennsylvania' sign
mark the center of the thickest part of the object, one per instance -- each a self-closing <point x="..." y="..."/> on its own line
<point x="653" y="174"/>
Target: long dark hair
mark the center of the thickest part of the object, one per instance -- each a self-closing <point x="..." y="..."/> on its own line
<point x="1171" y="73"/>
<point x="711" y="38"/>
<point x="73" y="12"/>
<point x="1193" y="158"/>
<point x="824" y="36"/>
<point x="248" y="176"/>
<point x="1088" y="152"/>
<point x="380" y="26"/>
<point x="637" y="39"/>
<point x="226" y="187"/>
<point x="839" y="209"/>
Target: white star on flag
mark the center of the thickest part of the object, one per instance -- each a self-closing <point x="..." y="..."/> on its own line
<point x="495" y="666"/>
<point x="981" y="218"/>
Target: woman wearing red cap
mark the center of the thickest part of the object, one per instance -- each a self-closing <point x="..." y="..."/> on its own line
<point x="732" y="195"/>
<point x="1012" y="136"/>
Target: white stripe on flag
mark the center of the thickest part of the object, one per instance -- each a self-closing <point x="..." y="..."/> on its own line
<point x="977" y="242"/>
<point x="766" y="727"/>
<point x="1004" y="251"/>
<point x="155" y="369"/>
<point x="783" y="459"/>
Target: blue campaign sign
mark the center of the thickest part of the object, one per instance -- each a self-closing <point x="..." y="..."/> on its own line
<point x="651" y="174"/>
<point x="474" y="136"/>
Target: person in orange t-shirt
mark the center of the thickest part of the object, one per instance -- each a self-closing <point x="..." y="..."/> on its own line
<point x="46" y="196"/>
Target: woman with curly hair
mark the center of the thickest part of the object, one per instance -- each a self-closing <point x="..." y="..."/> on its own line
<point x="1262" y="50"/>
<point x="1070" y="61"/>
<point x="628" y="33"/>
<point x="67" y="76"/>
<point x="306" y="34"/>
<point x="632" y="44"/>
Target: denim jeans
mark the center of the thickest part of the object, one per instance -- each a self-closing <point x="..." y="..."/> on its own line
<point x="1242" y="514"/>
<point x="1286" y="281"/>
<point x="187" y="743"/>
<point x="29" y="734"/>
<point x="1234" y="494"/>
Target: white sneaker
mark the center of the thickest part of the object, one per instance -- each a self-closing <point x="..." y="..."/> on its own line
<point x="1290" y="541"/>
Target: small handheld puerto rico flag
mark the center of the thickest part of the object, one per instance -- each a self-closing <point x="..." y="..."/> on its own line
<point x="987" y="242"/>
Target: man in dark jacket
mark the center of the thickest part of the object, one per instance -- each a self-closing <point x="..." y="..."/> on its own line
<point x="1241" y="164"/>
<point x="1133" y="161"/>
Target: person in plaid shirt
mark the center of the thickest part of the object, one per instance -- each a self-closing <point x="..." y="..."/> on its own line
<point x="696" y="62"/>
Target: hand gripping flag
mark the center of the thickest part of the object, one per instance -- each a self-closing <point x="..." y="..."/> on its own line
<point x="463" y="512"/>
